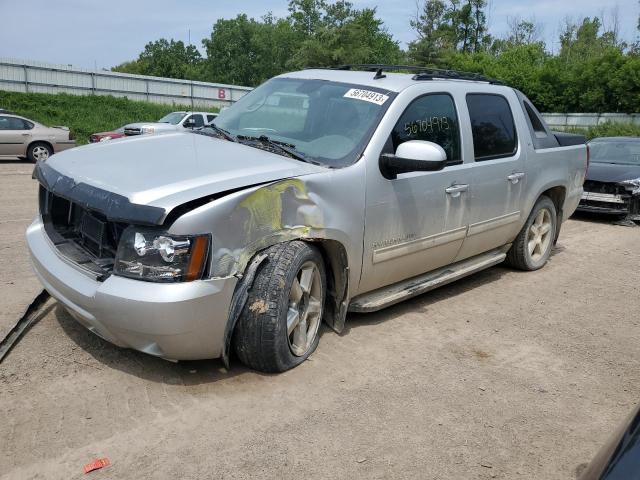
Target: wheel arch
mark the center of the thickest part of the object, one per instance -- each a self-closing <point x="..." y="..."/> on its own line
<point x="336" y="264"/>
<point x="558" y="195"/>
<point x="33" y="142"/>
<point x="46" y="142"/>
<point x="334" y="255"/>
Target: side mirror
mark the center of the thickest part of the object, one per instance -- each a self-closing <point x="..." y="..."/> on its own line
<point x="413" y="156"/>
<point x="189" y="123"/>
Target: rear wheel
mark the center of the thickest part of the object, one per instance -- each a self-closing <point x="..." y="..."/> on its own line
<point x="39" y="151"/>
<point x="532" y="247"/>
<point x="278" y="327"/>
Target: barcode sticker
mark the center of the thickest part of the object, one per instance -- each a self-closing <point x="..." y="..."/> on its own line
<point x="367" y="96"/>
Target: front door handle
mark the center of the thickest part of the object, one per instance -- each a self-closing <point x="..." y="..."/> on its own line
<point x="456" y="190"/>
<point x="25" y="134"/>
<point x="515" y="177"/>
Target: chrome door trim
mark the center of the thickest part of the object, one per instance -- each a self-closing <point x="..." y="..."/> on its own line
<point x="492" y="223"/>
<point x="417" y="245"/>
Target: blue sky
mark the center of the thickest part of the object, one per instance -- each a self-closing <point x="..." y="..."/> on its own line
<point x="85" y="33"/>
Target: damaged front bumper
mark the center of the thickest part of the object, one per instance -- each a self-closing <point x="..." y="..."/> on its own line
<point x="610" y="199"/>
<point x="178" y="321"/>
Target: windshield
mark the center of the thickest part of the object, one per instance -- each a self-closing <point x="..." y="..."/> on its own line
<point x="327" y="122"/>
<point x="173" y="118"/>
<point x="626" y="152"/>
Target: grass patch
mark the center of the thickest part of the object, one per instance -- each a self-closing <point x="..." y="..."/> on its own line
<point x="85" y="115"/>
<point x="608" y="129"/>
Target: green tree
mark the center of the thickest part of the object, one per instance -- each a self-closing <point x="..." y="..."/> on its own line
<point x="351" y="36"/>
<point x="444" y="28"/>
<point x="306" y="16"/>
<point x="428" y="24"/>
<point x="166" y="58"/>
<point x="245" y="51"/>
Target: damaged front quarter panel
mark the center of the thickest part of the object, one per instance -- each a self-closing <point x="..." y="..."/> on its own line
<point x="325" y="208"/>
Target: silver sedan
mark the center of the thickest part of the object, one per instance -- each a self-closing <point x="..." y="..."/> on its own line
<point x="21" y="137"/>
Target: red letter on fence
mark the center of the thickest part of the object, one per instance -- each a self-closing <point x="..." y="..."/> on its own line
<point x="222" y="94"/>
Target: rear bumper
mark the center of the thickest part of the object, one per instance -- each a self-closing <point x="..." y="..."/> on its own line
<point x="181" y="321"/>
<point x="62" y="146"/>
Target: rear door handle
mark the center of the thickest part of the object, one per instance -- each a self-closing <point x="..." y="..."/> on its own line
<point x="25" y="134"/>
<point x="456" y="190"/>
<point x="515" y="177"/>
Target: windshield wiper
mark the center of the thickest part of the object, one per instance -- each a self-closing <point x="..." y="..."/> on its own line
<point x="284" y="147"/>
<point x="228" y="135"/>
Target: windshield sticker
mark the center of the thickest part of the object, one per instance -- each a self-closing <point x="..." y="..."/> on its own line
<point x="367" y="96"/>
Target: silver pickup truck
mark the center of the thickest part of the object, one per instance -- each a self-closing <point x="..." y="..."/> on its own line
<point x="320" y="192"/>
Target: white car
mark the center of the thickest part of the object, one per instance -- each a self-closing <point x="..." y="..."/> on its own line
<point x="170" y="123"/>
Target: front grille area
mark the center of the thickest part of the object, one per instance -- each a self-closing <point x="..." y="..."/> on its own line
<point x="626" y="205"/>
<point x="602" y="187"/>
<point x="83" y="236"/>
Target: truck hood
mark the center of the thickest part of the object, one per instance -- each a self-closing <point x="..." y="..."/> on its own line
<point x="612" y="172"/>
<point x="161" y="172"/>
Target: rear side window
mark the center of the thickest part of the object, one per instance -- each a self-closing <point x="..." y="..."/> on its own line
<point x="199" y="122"/>
<point x="432" y="118"/>
<point x="210" y="118"/>
<point x="492" y="125"/>
<point x="13" y="123"/>
<point x="536" y="122"/>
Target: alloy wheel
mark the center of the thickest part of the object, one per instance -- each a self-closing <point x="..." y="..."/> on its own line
<point x="540" y="235"/>
<point x="305" y="309"/>
<point x="40" y="153"/>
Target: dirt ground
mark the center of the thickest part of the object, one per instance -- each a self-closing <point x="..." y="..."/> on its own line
<point x="502" y="375"/>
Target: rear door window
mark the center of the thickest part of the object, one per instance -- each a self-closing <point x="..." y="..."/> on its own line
<point x="13" y="123"/>
<point x="492" y="125"/>
<point x="199" y="122"/>
<point x="431" y="118"/>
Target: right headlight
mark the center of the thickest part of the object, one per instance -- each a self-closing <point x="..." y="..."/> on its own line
<point x="147" y="130"/>
<point x="156" y="256"/>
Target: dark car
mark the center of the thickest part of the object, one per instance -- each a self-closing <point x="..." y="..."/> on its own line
<point x="612" y="185"/>
<point x="619" y="458"/>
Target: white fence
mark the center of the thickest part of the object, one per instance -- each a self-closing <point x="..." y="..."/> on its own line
<point x="29" y="76"/>
<point x="563" y="121"/>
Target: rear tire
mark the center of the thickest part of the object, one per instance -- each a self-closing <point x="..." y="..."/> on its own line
<point x="39" y="151"/>
<point x="532" y="247"/>
<point x="278" y="327"/>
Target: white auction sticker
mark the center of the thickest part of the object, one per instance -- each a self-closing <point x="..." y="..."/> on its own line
<point x="367" y="96"/>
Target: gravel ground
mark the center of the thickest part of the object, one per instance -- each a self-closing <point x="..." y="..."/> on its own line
<point x="502" y="375"/>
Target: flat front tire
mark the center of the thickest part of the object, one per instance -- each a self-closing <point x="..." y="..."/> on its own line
<point x="278" y="327"/>
<point x="532" y="247"/>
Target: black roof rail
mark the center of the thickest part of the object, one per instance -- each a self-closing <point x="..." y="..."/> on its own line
<point x="421" y="73"/>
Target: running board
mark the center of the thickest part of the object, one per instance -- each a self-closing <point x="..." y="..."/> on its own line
<point x="387" y="296"/>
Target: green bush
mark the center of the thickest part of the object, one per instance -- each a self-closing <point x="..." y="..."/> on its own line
<point x="84" y="115"/>
<point x="608" y="129"/>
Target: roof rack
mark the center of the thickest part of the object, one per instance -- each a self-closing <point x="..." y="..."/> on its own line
<point x="421" y="73"/>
